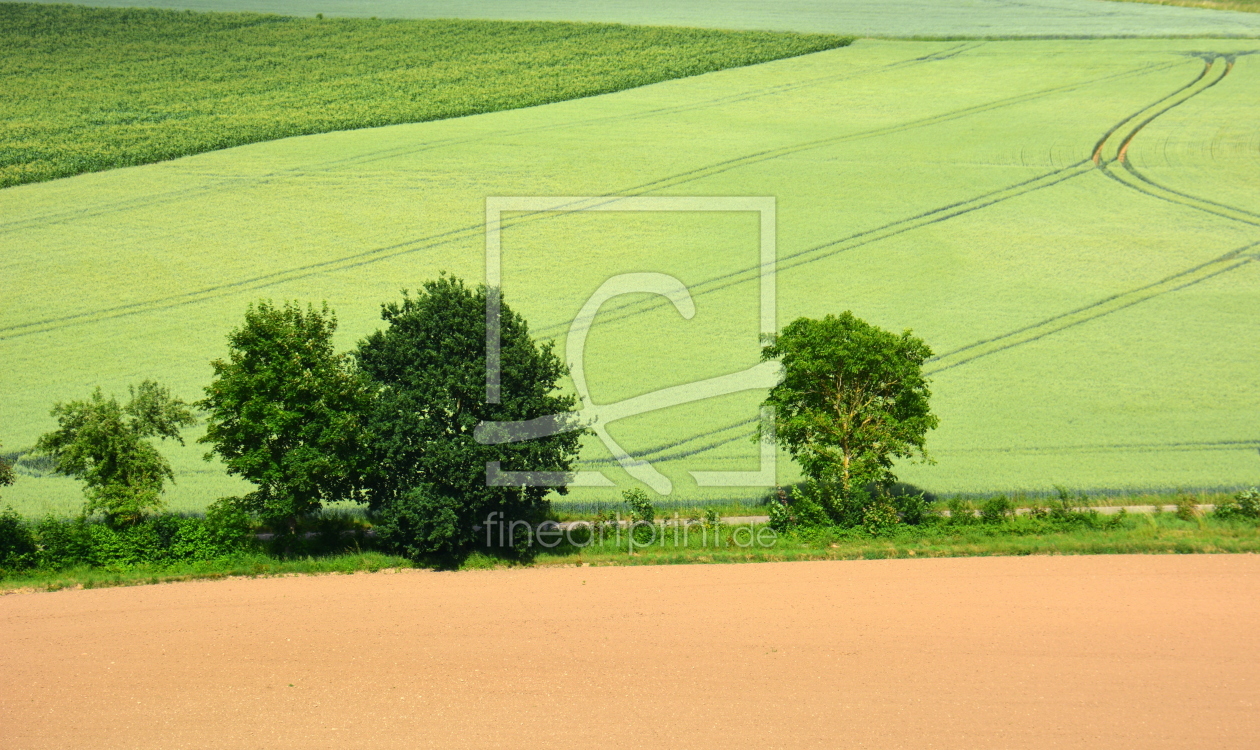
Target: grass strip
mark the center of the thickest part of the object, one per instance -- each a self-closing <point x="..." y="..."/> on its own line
<point x="1163" y="534"/>
<point x="254" y="565"/>
<point x="1157" y="534"/>
<point x="87" y="89"/>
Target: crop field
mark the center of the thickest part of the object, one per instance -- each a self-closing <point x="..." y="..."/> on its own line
<point x="1072" y="226"/>
<point x="937" y="18"/>
<point x="86" y="89"/>
<point x="1249" y="6"/>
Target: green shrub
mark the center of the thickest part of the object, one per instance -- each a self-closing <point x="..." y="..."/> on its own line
<point x="64" y="543"/>
<point x="712" y="519"/>
<point x="780" y="513"/>
<point x="960" y="512"/>
<point x="1037" y="509"/>
<point x="421" y="522"/>
<point x="808" y="505"/>
<point x="1243" y="506"/>
<point x="228" y="524"/>
<point x="912" y="508"/>
<point x="166" y="538"/>
<point x="642" y="515"/>
<point x="997" y="509"/>
<point x="1187" y="507"/>
<point x="880" y="516"/>
<point x="1065" y="507"/>
<point x="819" y="504"/>
<point x="17" y="544"/>
<point x="641" y="508"/>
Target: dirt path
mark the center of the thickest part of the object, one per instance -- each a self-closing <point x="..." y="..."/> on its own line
<point x="1039" y="652"/>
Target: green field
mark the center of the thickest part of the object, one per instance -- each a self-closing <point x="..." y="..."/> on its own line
<point x="1094" y="321"/>
<point x="87" y="89"/>
<point x="974" y="18"/>
<point x="1249" y="6"/>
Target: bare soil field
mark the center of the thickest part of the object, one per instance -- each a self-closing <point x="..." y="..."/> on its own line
<point x="1035" y="652"/>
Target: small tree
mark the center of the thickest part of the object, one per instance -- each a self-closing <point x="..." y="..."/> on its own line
<point x="106" y="445"/>
<point x="285" y="412"/>
<point x="6" y="472"/>
<point x="429" y="479"/>
<point x="853" y="398"/>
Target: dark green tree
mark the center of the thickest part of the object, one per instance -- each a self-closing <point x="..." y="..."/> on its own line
<point x="429" y="481"/>
<point x="285" y="412"/>
<point x="853" y="398"/>
<point x="105" y="444"/>
<point x="6" y="472"/>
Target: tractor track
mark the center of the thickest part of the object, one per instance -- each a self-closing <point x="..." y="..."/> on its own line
<point x="1228" y="262"/>
<point x="1133" y="179"/>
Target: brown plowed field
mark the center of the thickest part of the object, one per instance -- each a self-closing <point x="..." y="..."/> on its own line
<point x="1039" y="652"/>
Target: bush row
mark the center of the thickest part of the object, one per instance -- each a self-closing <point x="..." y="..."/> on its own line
<point x="879" y="514"/>
<point x="59" y="543"/>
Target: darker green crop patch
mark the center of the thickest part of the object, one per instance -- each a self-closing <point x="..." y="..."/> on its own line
<point x="87" y="89"/>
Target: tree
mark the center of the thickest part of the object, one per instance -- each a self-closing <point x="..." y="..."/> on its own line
<point x="429" y="479"/>
<point x="6" y="472"/>
<point x="106" y="445"/>
<point x="853" y="398"/>
<point x="285" y="412"/>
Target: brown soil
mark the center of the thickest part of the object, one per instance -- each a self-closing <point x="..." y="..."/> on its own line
<point x="1038" y="652"/>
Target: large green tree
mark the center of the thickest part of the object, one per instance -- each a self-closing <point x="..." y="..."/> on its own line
<point x="429" y="480"/>
<point x="853" y="398"/>
<point x="285" y="411"/>
<point x="105" y="444"/>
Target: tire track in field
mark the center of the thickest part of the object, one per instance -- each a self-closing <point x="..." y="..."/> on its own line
<point x="379" y="254"/>
<point x="1102" y="142"/>
<point x="775" y="90"/>
<point x="232" y="183"/>
<point x="849" y="242"/>
<point x="651" y="454"/>
<point x="1236" y="258"/>
<point x="770" y="154"/>
<point x="1199" y="445"/>
<point x="1133" y="179"/>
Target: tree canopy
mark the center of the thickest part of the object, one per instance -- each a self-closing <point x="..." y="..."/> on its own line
<point x="285" y="411"/>
<point x="428" y="479"/>
<point x="853" y="397"/>
<point x="105" y="444"/>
